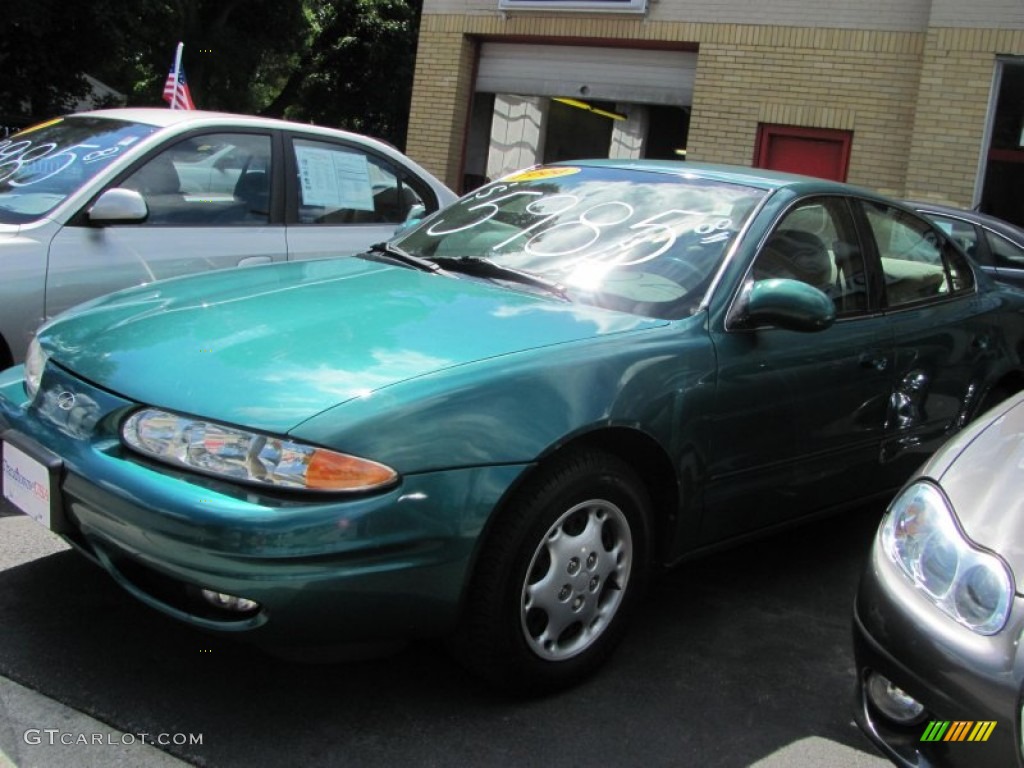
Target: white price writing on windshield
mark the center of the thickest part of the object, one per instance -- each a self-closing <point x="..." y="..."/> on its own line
<point x="487" y="208"/>
<point x="603" y="232"/>
<point x="43" y="161"/>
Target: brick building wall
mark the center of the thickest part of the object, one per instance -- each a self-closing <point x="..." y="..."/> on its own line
<point x="949" y="127"/>
<point x="864" y="82"/>
<point x="915" y="100"/>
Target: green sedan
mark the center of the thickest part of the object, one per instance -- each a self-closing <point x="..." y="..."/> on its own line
<point x="497" y="426"/>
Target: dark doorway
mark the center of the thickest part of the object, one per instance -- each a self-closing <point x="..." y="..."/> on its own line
<point x="1003" y="189"/>
<point x="574" y="133"/>
<point x="667" y="133"/>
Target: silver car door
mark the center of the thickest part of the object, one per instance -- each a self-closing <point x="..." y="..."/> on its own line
<point x="208" y="201"/>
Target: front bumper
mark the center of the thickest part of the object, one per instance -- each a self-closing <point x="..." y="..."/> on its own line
<point x="958" y="675"/>
<point x="324" y="571"/>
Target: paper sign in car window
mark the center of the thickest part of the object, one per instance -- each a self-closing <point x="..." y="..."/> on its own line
<point x="334" y="179"/>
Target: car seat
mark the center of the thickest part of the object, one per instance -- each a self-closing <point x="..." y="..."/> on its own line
<point x="796" y="255"/>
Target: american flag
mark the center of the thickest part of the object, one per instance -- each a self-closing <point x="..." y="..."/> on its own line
<point x="176" y="92"/>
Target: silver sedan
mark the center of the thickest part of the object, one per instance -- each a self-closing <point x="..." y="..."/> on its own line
<point x="97" y="201"/>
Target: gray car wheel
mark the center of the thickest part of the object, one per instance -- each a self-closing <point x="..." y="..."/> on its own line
<point x="558" y="575"/>
<point x="576" y="580"/>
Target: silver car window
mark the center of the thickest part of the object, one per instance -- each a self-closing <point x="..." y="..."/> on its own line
<point x="220" y="179"/>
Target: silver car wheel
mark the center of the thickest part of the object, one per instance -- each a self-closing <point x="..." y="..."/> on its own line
<point x="576" y="580"/>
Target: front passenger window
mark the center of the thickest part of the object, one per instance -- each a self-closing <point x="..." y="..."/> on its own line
<point x="210" y="180"/>
<point x="815" y="243"/>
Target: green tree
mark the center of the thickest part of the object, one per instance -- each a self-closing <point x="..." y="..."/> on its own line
<point x="43" y="73"/>
<point x="356" y="67"/>
<point x="345" y="63"/>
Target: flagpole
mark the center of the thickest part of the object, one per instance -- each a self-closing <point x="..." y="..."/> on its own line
<point x="177" y="63"/>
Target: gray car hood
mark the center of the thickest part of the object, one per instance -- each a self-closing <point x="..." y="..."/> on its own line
<point x="982" y="473"/>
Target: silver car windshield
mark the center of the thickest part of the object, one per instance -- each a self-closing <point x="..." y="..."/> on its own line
<point x="44" y="164"/>
<point x="636" y="241"/>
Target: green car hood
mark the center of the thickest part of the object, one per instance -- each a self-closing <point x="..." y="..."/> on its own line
<point x="269" y="347"/>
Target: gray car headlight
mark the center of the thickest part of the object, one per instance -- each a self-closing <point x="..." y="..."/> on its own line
<point x="35" y="361"/>
<point x="249" y="457"/>
<point x="921" y="536"/>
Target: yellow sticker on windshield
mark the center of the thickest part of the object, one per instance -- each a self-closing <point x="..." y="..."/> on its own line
<point x="541" y="173"/>
<point x="47" y="124"/>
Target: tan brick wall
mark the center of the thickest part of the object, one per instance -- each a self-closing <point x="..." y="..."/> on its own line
<point x="949" y="128"/>
<point x="441" y="94"/>
<point x="915" y="102"/>
<point x="864" y="82"/>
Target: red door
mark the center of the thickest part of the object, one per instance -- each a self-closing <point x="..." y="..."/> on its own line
<point x="811" y="151"/>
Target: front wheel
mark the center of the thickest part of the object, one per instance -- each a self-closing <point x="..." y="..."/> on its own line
<point x="558" y="576"/>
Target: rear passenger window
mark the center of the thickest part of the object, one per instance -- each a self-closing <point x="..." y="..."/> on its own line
<point x="918" y="263"/>
<point x="344" y="185"/>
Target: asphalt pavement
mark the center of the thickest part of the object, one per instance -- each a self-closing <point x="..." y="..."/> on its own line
<point x="740" y="659"/>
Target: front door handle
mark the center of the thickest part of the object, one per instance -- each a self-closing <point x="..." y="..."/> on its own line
<point x="878" y="361"/>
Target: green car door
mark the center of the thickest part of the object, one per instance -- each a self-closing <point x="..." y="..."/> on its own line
<point x="811" y="435"/>
<point x="946" y="336"/>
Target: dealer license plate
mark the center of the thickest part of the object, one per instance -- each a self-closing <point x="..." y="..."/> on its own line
<point x="27" y="484"/>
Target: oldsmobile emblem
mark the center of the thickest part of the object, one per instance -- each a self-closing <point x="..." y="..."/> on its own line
<point x="66" y="401"/>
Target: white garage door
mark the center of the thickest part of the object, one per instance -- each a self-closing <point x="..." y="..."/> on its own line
<point x="583" y="72"/>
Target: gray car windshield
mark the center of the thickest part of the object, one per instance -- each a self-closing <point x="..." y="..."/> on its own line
<point x="642" y="242"/>
<point x="41" y="166"/>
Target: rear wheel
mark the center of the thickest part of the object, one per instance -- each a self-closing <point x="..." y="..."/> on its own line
<point x="562" y="569"/>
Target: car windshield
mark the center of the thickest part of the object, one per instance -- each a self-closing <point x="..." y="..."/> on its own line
<point x="44" y="164"/>
<point x="636" y="241"/>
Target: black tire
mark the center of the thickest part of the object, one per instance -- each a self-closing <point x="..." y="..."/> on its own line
<point x="583" y="522"/>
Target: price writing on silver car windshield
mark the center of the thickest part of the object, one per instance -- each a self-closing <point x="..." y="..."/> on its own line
<point x="34" y="163"/>
<point x="610" y="231"/>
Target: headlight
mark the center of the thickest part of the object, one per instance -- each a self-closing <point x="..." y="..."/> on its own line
<point x="921" y="536"/>
<point x="249" y="457"/>
<point x="35" y="361"/>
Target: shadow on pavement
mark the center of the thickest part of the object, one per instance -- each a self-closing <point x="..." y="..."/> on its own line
<point x="734" y="658"/>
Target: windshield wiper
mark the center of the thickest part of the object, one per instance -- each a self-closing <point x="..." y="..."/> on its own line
<point x="404" y="257"/>
<point x="483" y="267"/>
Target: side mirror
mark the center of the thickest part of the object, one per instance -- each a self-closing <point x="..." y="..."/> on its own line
<point x="789" y="304"/>
<point x="118" y="205"/>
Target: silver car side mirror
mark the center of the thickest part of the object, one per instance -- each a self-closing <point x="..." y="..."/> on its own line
<point x="118" y="205"/>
